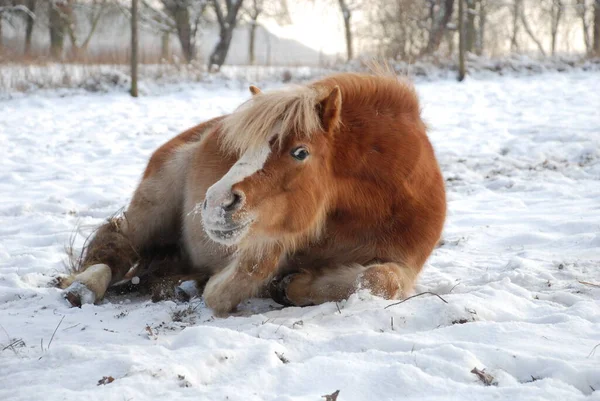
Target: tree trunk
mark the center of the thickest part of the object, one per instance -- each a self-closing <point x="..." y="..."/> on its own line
<point x="29" y="26"/>
<point x="530" y="33"/>
<point x="180" y="12"/>
<point x="462" y="70"/>
<point x="471" y="33"/>
<point x="516" y="12"/>
<point x="349" y="50"/>
<point x="57" y="21"/>
<point x="1" y="37"/>
<point x="165" y="42"/>
<point x="134" y="48"/>
<point x="481" y="31"/>
<point x="556" y="12"/>
<point x="251" y="42"/>
<point x="181" y="15"/>
<point x="597" y="27"/>
<point x="438" y="26"/>
<point x="227" y="24"/>
<point x="582" y="13"/>
<point x="219" y="54"/>
<point x="347" y="15"/>
<point x="268" y="57"/>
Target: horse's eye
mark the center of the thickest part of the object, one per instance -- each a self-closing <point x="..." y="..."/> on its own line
<point x="299" y="153"/>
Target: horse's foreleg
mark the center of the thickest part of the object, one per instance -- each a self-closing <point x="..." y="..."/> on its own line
<point x="243" y="278"/>
<point x="388" y="280"/>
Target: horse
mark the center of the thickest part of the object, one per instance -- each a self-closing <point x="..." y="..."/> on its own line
<point x="304" y="194"/>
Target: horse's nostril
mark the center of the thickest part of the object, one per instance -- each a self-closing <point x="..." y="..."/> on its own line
<point x="204" y="204"/>
<point x="233" y="202"/>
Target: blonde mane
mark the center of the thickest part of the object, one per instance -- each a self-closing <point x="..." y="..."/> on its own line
<point x="272" y="115"/>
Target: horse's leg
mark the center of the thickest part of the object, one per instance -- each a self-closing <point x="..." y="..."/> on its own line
<point x="387" y="280"/>
<point x="107" y="256"/>
<point x="152" y="219"/>
<point x="243" y="278"/>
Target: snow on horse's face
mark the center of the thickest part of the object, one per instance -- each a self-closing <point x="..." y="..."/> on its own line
<point x="279" y="187"/>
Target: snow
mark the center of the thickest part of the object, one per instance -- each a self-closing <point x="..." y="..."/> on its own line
<point x="522" y="163"/>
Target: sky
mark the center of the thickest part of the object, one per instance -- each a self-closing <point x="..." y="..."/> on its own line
<point x="318" y="25"/>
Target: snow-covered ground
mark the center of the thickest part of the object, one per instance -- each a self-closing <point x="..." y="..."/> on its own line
<point x="522" y="161"/>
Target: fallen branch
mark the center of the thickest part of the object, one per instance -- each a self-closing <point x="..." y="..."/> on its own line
<point x="417" y="295"/>
<point x="588" y="283"/>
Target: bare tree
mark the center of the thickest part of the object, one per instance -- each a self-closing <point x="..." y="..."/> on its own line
<point x="399" y="29"/>
<point x="94" y="10"/>
<point x="440" y="14"/>
<point x="581" y="11"/>
<point x="5" y="9"/>
<point x="274" y="9"/>
<point x="29" y="25"/>
<point x="180" y="17"/>
<point x="59" y="16"/>
<point x="527" y="28"/>
<point x="480" y="41"/>
<point x="187" y="15"/>
<point x="462" y="69"/>
<point x="516" y="14"/>
<point x="471" y="29"/>
<point x="255" y="11"/>
<point x="134" y="48"/>
<point x="8" y="11"/>
<point x="347" y="8"/>
<point x="227" y="21"/>
<point x="596" y="48"/>
<point x="556" y="14"/>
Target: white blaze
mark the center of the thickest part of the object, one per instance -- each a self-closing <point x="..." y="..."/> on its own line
<point x="247" y="165"/>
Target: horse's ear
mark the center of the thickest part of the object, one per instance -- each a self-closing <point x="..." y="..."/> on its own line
<point x="331" y="109"/>
<point x="254" y="90"/>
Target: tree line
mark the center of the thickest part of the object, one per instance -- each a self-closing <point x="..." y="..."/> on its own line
<point x="394" y="29"/>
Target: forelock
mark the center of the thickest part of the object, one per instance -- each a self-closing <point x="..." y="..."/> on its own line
<point x="272" y="115"/>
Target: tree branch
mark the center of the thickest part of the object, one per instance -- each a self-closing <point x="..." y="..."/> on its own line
<point x="218" y="11"/>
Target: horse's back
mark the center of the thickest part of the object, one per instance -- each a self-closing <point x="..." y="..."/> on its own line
<point x="166" y="151"/>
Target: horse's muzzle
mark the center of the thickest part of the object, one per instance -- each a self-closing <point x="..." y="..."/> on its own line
<point x="222" y="216"/>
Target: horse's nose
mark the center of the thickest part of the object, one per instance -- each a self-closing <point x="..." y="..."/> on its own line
<point x="233" y="202"/>
<point x="220" y="206"/>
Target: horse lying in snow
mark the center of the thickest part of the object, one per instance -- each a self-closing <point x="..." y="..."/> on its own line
<point x="305" y="194"/>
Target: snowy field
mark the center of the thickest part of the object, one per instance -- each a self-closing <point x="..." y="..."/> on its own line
<point x="521" y="157"/>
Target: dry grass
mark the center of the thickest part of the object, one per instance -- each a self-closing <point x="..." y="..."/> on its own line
<point x="109" y="70"/>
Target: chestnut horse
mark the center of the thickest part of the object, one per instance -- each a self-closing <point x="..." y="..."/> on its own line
<point x="308" y="194"/>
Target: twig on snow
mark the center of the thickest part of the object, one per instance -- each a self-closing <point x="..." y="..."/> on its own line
<point x="593" y="351"/>
<point x="416" y="295"/>
<point x="16" y="343"/>
<point x="588" y="283"/>
<point x="282" y="357"/>
<point x="52" y="338"/>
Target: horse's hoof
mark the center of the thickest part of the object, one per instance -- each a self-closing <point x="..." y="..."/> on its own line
<point x="277" y="289"/>
<point x="78" y="294"/>
<point x="61" y="282"/>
